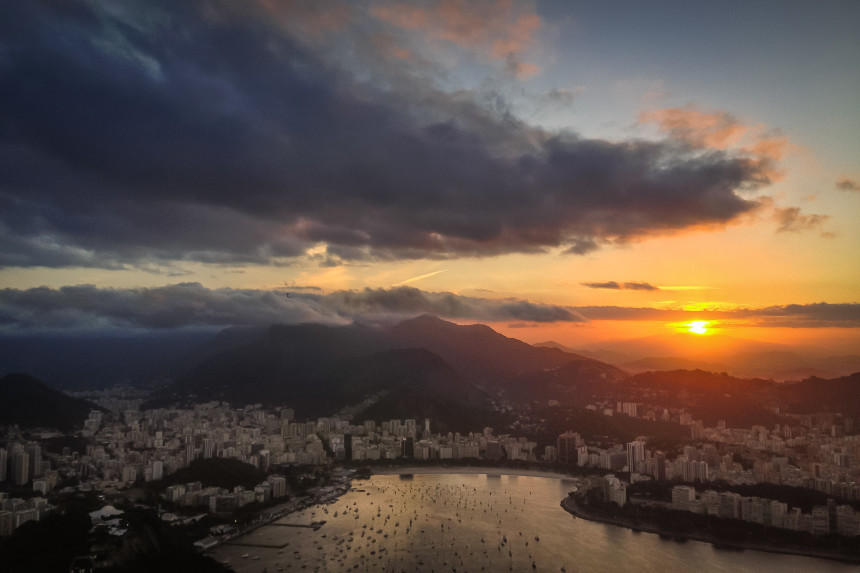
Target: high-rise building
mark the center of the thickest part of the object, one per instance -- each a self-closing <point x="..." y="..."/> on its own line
<point x="408" y="450"/>
<point x="820" y="520"/>
<point x="157" y="469"/>
<point x="660" y="466"/>
<point x="682" y="495"/>
<point x="494" y="450"/>
<point x="730" y="505"/>
<point x="616" y="490"/>
<point x="347" y="447"/>
<point x="635" y="454"/>
<point x="4" y="461"/>
<point x="20" y="468"/>
<point x="34" y="450"/>
<point x="566" y="445"/>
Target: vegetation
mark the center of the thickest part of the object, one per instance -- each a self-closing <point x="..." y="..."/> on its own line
<point x="225" y="473"/>
<point x="29" y="403"/>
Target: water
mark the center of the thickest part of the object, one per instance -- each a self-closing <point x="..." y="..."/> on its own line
<point x="477" y="522"/>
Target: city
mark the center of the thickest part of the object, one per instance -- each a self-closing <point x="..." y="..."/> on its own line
<point x="124" y="448"/>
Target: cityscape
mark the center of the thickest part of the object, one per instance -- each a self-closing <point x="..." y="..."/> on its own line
<point x="429" y="285"/>
<point x="125" y="447"/>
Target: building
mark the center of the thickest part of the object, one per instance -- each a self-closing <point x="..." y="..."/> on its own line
<point x="20" y="468"/>
<point x="682" y="496"/>
<point x="635" y="455"/>
<point x="347" y="447"/>
<point x="616" y="490"/>
<point x="566" y="445"/>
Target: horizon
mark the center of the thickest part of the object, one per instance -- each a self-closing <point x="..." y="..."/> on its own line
<point x="577" y="174"/>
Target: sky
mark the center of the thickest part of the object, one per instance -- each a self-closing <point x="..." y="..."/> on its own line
<point x="574" y="171"/>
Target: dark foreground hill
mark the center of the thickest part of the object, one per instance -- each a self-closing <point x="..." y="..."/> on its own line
<point x="29" y="403"/>
<point x="424" y="367"/>
<point x="319" y="370"/>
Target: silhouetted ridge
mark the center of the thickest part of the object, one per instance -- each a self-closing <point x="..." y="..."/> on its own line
<point x="29" y="403"/>
<point x="477" y="351"/>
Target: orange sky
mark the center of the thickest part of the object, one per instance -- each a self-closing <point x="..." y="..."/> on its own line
<point x="565" y="158"/>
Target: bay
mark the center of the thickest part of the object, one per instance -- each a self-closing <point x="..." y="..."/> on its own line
<point x="477" y="522"/>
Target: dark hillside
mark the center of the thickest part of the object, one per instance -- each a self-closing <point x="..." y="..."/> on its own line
<point x="29" y="403"/>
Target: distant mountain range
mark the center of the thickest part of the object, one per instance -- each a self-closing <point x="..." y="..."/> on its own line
<point x="718" y="353"/>
<point x="29" y="403"/>
<point x="463" y="377"/>
<point x="423" y="367"/>
<point x="87" y="362"/>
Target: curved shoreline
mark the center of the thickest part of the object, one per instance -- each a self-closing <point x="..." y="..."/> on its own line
<point x="569" y="505"/>
<point x="489" y="470"/>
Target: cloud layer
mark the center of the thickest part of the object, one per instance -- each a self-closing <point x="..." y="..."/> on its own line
<point x="153" y="132"/>
<point x="193" y="305"/>
<point x="86" y="307"/>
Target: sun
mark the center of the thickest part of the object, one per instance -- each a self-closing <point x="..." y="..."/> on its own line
<point x="698" y="327"/>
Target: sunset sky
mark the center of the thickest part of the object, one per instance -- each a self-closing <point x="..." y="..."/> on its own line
<point x="574" y="171"/>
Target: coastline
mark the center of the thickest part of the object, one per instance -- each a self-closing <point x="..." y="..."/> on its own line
<point x="489" y="470"/>
<point x="569" y="505"/>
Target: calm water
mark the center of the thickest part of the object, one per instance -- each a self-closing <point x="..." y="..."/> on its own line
<point x="477" y="522"/>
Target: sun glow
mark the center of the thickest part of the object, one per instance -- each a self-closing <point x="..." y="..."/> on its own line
<point x="698" y="327"/>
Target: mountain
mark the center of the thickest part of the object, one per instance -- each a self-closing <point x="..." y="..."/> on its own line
<point x="671" y="363"/>
<point x="574" y="384"/>
<point x="720" y="353"/>
<point x="478" y="352"/>
<point x="89" y="362"/>
<point x="423" y="367"/>
<point x="283" y="365"/>
<point x="818" y="395"/>
<point x="708" y="396"/>
<point x="319" y="370"/>
<point x="29" y="403"/>
<point x="411" y="383"/>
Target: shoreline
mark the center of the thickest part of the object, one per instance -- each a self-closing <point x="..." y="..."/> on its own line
<point x="489" y="470"/>
<point x="570" y="506"/>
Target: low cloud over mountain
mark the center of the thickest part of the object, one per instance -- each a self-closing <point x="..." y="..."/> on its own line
<point x="87" y="307"/>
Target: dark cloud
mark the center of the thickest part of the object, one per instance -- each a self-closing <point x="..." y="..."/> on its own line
<point x="159" y="131"/>
<point x="86" y="307"/>
<point x="408" y="301"/>
<point x="640" y="286"/>
<point x="174" y="306"/>
<point x="848" y="185"/>
<point x="192" y="305"/>
<point x="791" y="219"/>
<point x="612" y="285"/>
